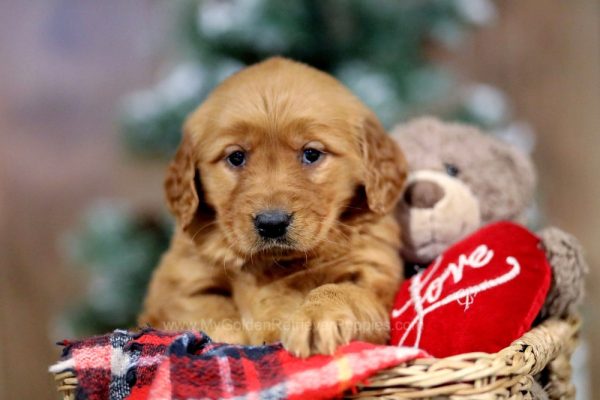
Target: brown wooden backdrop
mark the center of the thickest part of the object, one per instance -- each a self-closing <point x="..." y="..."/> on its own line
<point x="65" y="63"/>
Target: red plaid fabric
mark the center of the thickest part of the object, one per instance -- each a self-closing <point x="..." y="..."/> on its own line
<point x="165" y="365"/>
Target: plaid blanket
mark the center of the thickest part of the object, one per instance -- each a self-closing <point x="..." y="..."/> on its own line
<point x="153" y="364"/>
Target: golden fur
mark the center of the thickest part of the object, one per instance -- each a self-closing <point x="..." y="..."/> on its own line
<point x="334" y="279"/>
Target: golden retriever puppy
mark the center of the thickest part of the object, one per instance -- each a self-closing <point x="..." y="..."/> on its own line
<point x="282" y="189"/>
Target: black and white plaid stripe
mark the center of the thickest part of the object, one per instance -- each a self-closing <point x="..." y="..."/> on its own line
<point x="120" y="363"/>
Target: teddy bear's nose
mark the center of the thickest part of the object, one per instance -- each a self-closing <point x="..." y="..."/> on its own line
<point x="423" y="194"/>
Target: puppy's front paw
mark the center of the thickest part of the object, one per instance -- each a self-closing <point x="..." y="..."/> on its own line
<point x="333" y="315"/>
<point x="314" y="330"/>
<point x="228" y="333"/>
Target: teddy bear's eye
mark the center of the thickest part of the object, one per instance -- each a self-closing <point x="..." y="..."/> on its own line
<point x="451" y="169"/>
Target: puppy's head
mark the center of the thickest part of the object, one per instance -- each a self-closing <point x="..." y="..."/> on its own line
<point x="275" y="156"/>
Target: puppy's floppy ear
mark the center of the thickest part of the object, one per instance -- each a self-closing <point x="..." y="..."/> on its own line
<point x="384" y="167"/>
<point x="180" y="189"/>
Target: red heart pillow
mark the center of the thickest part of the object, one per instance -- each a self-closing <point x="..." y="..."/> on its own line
<point x="479" y="295"/>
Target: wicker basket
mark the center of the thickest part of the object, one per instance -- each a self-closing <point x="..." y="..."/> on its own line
<point x="508" y="374"/>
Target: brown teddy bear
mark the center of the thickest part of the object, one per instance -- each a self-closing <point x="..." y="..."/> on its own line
<point x="461" y="179"/>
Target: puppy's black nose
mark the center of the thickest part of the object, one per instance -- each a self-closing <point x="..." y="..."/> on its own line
<point x="272" y="224"/>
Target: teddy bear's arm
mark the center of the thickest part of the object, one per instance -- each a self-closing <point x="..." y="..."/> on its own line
<point x="565" y="255"/>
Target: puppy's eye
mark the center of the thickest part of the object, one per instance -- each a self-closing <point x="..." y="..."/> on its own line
<point x="451" y="169"/>
<point x="237" y="158"/>
<point x="311" y="156"/>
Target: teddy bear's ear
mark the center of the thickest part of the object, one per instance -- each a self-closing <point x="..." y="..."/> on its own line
<point x="516" y="192"/>
<point x="385" y="167"/>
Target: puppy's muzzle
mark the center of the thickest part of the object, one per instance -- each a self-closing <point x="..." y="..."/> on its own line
<point x="272" y="224"/>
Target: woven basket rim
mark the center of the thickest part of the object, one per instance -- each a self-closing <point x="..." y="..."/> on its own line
<point x="470" y="375"/>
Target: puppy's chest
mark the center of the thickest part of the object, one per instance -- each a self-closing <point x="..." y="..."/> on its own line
<point x="295" y="272"/>
<point x="292" y="277"/>
<point x="265" y="272"/>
